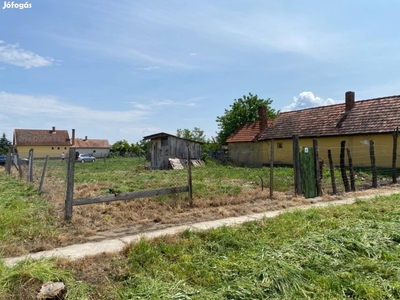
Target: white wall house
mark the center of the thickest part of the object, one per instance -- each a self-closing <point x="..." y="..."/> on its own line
<point x="94" y="147"/>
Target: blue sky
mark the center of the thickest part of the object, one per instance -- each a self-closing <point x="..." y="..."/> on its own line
<point x="126" y="69"/>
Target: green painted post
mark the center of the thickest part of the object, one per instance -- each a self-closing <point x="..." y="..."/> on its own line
<point x="307" y="172"/>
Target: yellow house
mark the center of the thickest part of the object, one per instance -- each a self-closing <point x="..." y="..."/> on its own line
<point x="355" y="122"/>
<point x="43" y="142"/>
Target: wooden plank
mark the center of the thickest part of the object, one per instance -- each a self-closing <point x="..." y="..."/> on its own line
<point x="176" y="164"/>
<point x="129" y="196"/>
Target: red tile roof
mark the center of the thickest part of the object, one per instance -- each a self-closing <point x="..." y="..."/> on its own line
<point x="35" y="137"/>
<point x="91" y="143"/>
<point x="246" y="133"/>
<point x="378" y="115"/>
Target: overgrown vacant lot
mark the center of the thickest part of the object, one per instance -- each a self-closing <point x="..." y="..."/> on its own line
<point x="33" y="222"/>
<point x="339" y="252"/>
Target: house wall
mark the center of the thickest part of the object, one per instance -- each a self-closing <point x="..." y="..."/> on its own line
<point x="161" y="151"/>
<point x="96" y="152"/>
<point x="253" y="155"/>
<point x="42" y="151"/>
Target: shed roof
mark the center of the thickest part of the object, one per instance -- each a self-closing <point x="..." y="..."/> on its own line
<point x="378" y="115"/>
<point x="39" y="137"/>
<point x="163" y="135"/>
<point x="91" y="143"/>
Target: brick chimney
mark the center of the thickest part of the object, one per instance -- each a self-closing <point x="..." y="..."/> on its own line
<point x="350" y="100"/>
<point x="262" y="117"/>
<point x="85" y="138"/>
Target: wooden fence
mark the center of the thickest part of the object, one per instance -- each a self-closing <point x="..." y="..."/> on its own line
<point x="70" y="202"/>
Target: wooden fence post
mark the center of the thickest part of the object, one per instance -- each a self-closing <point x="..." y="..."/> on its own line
<point x="373" y="165"/>
<point x="189" y="163"/>
<point x="343" y="167"/>
<point x="271" y="171"/>
<point x="43" y="173"/>
<point x="352" y="177"/>
<point x="29" y="178"/>
<point x="19" y="167"/>
<point x="394" y="156"/>
<point x="8" y="162"/>
<point x="296" y="165"/>
<point x="318" y="174"/>
<point x="70" y="184"/>
<point x="332" y="169"/>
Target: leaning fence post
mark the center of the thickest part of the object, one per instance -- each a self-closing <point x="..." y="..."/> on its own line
<point x="332" y="169"/>
<point x="70" y="185"/>
<point x="43" y="173"/>
<point x="318" y="174"/>
<point x="19" y="166"/>
<point x="394" y="156"/>
<point x="373" y="165"/>
<point x="271" y="170"/>
<point x="296" y="165"/>
<point x="343" y="168"/>
<point x="189" y="163"/>
<point x="352" y="177"/>
<point x="30" y="167"/>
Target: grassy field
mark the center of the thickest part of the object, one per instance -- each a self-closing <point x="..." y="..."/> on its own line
<point x="331" y="253"/>
<point x="336" y="253"/>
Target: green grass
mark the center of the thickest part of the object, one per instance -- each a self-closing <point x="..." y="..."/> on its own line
<point x="339" y="252"/>
<point x="24" y="213"/>
<point x="130" y="174"/>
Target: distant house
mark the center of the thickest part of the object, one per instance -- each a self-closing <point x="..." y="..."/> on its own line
<point x="43" y="142"/>
<point x="95" y="147"/>
<point x="243" y="146"/>
<point x="165" y="146"/>
<point x="355" y="122"/>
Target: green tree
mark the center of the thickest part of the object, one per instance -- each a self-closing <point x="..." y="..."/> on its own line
<point x="242" y="110"/>
<point x="4" y="144"/>
<point x="196" y="134"/>
<point x="121" y="146"/>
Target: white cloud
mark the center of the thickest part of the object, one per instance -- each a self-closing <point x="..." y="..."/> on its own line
<point x="14" y="55"/>
<point x="307" y="100"/>
<point x="49" y="107"/>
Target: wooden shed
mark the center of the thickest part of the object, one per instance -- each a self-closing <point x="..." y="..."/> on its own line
<point x="165" y="146"/>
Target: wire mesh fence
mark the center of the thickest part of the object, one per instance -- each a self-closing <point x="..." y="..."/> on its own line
<point x="114" y="177"/>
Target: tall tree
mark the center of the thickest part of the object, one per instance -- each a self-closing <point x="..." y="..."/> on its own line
<point x="242" y="110"/>
<point x="196" y="134"/>
<point x="4" y="144"/>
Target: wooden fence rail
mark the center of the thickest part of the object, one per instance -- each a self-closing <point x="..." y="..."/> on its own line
<point x="130" y="196"/>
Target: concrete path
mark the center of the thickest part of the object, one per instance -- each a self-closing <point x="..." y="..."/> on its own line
<point x="115" y="245"/>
